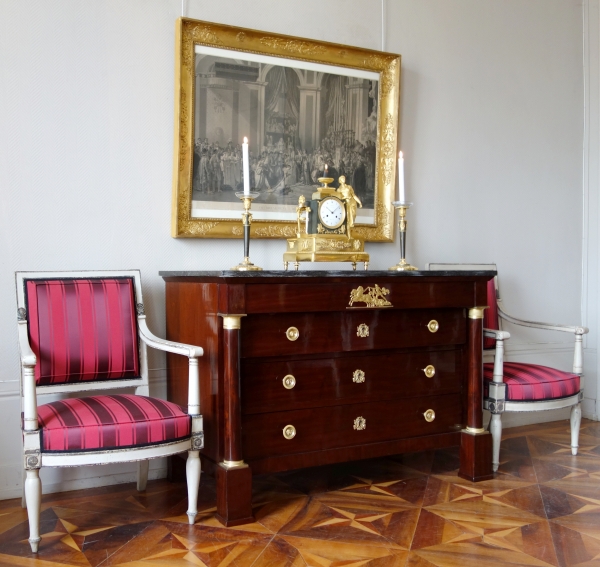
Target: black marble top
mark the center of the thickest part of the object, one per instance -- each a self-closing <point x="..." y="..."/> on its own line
<point x="325" y="274"/>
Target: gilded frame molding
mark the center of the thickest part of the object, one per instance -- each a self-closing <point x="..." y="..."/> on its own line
<point x="190" y="33"/>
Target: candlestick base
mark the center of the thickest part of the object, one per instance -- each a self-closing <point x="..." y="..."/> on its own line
<point x="403" y="266"/>
<point x="246" y="266"/>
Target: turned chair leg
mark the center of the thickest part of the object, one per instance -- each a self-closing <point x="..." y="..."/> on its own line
<point x="192" y="472"/>
<point x="142" y="474"/>
<point x="23" y="499"/>
<point x="33" y="496"/>
<point x="496" y="431"/>
<point x="575" y="424"/>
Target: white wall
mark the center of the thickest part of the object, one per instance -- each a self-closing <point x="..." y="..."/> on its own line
<point x="492" y="130"/>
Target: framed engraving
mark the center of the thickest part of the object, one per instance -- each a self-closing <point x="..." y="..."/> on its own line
<point x="303" y="105"/>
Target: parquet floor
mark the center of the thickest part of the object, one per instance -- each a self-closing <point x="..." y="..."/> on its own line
<point x="543" y="508"/>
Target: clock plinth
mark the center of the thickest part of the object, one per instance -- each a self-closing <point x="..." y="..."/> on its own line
<point x="325" y="248"/>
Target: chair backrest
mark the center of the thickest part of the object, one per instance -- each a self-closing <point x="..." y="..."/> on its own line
<point x="82" y="327"/>
<point x="490" y="315"/>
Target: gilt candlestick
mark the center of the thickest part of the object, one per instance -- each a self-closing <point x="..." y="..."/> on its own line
<point x="402" y="265"/>
<point x="246" y="265"/>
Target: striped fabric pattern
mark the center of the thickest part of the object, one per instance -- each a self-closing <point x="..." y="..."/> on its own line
<point x="490" y="315"/>
<point x="109" y="422"/>
<point x="533" y="382"/>
<point x="83" y="329"/>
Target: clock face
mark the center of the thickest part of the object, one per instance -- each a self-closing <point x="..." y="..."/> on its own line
<point x="331" y="212"/>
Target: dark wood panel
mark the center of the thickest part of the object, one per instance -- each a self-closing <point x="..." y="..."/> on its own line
<point x="279" y="463"/>
<point x="264" y="335"/>
<point x="328" y="427"/>
<point x="300" y="296"/>
<point x="330" y="381"/>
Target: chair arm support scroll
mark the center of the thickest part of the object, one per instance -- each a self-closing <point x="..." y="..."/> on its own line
<point x="494" y="334"/>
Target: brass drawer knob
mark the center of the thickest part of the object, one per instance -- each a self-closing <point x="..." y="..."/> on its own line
<point x="358" y="376"/>
<point x="360" y="423"/>
<point x="289" y="432"/>
<point x="429" y="371"/>
<point x="292" y="333"/>
<point x="362" y="330"/>
<point x="429" y="415"/>
<point x="289" y="382"/>
<point x="433" y="326"/>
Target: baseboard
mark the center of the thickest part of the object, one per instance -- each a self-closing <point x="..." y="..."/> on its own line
<point x="76" y="483"/>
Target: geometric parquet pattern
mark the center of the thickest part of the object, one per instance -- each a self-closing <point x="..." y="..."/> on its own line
<point x="541" y="509"/>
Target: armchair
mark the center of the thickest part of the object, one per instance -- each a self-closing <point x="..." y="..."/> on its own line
<point x="87" y="331"/>
<point x="519" y="386"/>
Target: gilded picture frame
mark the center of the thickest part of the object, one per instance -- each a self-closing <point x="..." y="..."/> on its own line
<point x="303" y="104"/>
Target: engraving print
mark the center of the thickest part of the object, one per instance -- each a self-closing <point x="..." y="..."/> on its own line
<point x="298" y="121"/>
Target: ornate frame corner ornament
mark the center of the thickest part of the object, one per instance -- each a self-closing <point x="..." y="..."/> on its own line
<point x="337" y="60"/>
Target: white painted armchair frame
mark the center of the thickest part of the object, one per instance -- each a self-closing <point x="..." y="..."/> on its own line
<point x="34" y="458"/>
<point x="496" y="401"/>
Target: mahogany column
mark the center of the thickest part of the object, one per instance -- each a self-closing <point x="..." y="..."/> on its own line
<point x="234" y="477"/>
<point x="476" y="442"/>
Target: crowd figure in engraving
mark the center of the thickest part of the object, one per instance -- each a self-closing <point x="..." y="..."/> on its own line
<point x="280" y="166"/>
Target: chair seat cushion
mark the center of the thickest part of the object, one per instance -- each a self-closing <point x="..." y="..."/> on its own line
<point x="533" y="382"/>
<point x="110" y="422"/>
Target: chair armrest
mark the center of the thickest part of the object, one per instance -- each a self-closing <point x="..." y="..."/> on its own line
<point x="152" y="340"/>
<point x="494" y="334"/>
<point x="191" y="351"/>
<point x="577" y="330"/>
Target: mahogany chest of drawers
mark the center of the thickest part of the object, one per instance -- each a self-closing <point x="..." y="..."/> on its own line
<point x="309" y="368"/>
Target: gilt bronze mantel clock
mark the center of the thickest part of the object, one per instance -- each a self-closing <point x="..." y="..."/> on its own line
<point x="324" y="226"/>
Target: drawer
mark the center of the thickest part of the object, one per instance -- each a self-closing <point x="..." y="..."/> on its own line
<point x="350" y="331"/>
<point x="403" y="293"/>
<point x="313" y="382"/>
<point x="326" y="428"/>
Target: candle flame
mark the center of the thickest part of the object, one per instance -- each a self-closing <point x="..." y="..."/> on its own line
<point x="245" y="140"/>
<point x="400" y="155"/>
<point x="325" y="167"/>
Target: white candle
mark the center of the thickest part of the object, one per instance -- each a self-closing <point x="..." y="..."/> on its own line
<point x="246" y="166"/>
<point x="401" y="192"/>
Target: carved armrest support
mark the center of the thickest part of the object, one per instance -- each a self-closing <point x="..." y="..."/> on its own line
<point x="500" y="337"/>
<point x="28" y="362"/>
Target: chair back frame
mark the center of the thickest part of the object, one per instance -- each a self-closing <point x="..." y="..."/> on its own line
<point x="139" y="383"/>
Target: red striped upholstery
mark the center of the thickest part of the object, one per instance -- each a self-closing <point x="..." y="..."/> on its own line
<point x="533" y="382"/>
<point x="108" y="422"/>
<point x="490" y="315"/>
<point x="82" y="329"/>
